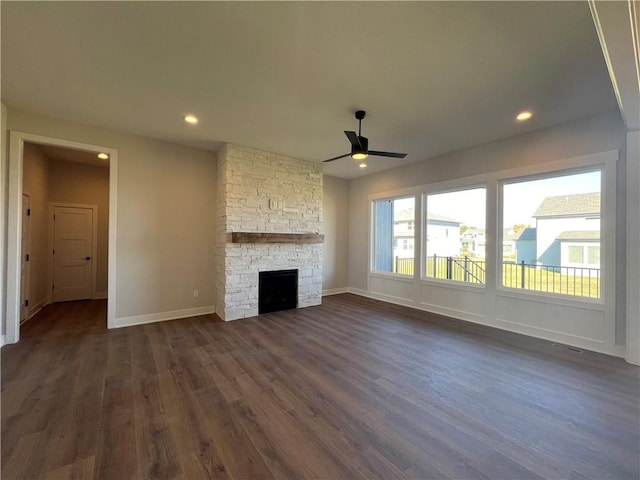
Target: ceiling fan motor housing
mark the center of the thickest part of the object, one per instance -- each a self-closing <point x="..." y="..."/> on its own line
<point x="364" y="142"/>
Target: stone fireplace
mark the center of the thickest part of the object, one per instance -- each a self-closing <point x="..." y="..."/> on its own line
<point x="268" y="217"/>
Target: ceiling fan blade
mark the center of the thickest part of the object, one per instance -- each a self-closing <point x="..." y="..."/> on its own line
<point x="387" y="154"/>
<point x="336" y="158"/>
<point x="353" y="138"/>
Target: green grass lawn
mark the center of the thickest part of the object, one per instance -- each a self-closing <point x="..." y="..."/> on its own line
<point x="537" y="279"/>
<point x="542" y="280"/>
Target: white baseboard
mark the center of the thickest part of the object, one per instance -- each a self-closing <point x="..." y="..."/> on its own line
<point x="163" y="316"/>
<point x="334" y="291"/>
<point x="100" y="296"/>
<point x="33" y="310"/>
<point x="3" y="340"/>
<point x="616" y="350"/>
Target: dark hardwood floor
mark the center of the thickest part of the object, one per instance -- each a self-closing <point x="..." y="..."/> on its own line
<point x="351" y="389"/>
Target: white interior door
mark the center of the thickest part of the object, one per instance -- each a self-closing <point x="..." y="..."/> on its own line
<point x="72" y="253"/>
<point x="25" y="253"/>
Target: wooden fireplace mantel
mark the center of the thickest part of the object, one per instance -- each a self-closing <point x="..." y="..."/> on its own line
<point x="255" y="237"/>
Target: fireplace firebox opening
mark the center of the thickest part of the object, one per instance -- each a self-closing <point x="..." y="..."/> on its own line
<point x="277" y="290"/>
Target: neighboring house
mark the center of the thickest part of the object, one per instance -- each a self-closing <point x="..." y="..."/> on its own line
<point x="443" y="236"/>
<point x="568" y="231"/>
<point x="580" y="249"/>
<point x="474" y="241"/>
<point x="509" y="237"/>
<point x="404" y="231"/>
<point x="526" y="246"/>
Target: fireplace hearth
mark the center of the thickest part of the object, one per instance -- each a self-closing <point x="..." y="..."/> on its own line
<point x="277" y="290"/>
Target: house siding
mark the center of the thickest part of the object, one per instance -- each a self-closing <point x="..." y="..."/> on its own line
<point x="548" y="229"/>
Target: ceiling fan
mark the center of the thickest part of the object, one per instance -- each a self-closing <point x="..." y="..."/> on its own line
<point x="360" y="145"/>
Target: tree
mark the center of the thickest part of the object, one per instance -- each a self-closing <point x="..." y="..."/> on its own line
<point x="518" y="227"/>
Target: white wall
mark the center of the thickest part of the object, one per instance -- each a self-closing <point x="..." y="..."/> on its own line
<point x="587" y="136"/>
<point x="4" y="145"/>
<point x="35" y="183"/>
<point x="335" y="212"/>
<point x="165" y="227"/>
<point x="72" y="182"/>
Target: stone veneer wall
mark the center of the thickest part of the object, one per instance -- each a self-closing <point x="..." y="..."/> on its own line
<point x="249" y="181"/>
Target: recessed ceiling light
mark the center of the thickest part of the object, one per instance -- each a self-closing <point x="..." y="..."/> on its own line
<point x="103" y="156"/>
<point x="363" y="165"/>
<point x="525" y="115"/>
<point x="191" y="119"/>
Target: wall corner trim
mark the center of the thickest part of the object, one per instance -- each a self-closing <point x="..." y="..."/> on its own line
<point x="163" y="316"/>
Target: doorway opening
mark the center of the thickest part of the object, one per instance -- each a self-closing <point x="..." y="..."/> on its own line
<point x="66" y="200"/>
<point x="63" y="237"/>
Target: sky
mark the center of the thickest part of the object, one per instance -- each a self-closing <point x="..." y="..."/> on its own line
<point x="521" y="199"/>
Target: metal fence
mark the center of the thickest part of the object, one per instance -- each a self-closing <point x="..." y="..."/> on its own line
<point x="404" y="266"/>
<point x="463" y="269"/>
<point x="575" y="281"/>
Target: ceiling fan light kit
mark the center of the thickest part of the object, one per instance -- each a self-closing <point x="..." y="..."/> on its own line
<point x="360" y="145"/>
<point x="359" y="152"/>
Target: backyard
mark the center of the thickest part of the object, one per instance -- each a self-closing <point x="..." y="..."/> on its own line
<point x="580" y="282"/>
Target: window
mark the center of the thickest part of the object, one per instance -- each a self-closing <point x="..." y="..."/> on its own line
<point x="455" y="230"/>
<point x="582" y="255"/>
<point x="593" y="255"/>
<point x="555" y="223"/>
<point x="394" y="235"/>
<point x="576" y="254"/>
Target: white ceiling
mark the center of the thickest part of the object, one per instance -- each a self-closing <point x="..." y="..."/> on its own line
<point x="286" y="76"/>
<point x="72" y="155"/>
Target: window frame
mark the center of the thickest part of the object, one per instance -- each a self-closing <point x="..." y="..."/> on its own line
<point x="605" y="161"/>
<point x="458" y="185"/>
<point x="391" y="196"/>
<point x="607" y="209"/>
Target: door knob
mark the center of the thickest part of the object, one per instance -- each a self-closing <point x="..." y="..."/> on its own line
<point x="87" y="258"/>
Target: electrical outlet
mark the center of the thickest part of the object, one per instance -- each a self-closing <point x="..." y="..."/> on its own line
<point x="196" y="293"/>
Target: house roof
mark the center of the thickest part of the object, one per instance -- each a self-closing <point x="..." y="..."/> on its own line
<point x="441" y="218"/>
<point x="408" y="214"/>
<point x="527" y="234"/>
<point x="569" y="205"/>
<point x="579" y="235"/>
<point x="286" y="77"/>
